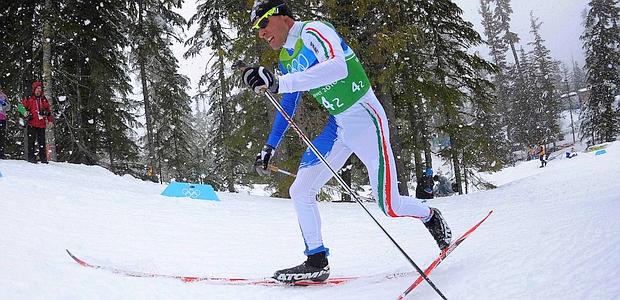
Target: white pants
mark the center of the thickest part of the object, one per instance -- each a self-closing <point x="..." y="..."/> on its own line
<point x="362" y="129"/>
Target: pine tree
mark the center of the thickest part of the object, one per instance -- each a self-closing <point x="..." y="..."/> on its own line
<point x="601" y="42"/>
<point x="98" y="119"/>
<point x="524" y="113"/>
<point x="502" y="13"/>
<point x="229" y="111"/>
<point x="173" y="125"/>
<point x="20" y="28"/>
<point x="578" y="77"/>
<point x="457" y="84"/>
<point x="544" y="87"/>
<point x="497" y="30"/>
<point x="169" y="120"/>
<point x="493" y="32"/>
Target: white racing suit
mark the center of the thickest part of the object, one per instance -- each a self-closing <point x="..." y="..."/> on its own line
<point x="316" y="59"/>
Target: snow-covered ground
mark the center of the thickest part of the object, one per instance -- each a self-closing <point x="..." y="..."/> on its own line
<point x="555" y="234"/>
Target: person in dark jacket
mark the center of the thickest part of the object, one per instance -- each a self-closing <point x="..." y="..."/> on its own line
<point x="38" y="112"/>
<point x="424" y="185"/>
<point x="444" y="186"/>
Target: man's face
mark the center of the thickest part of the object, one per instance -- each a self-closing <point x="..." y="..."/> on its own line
<point x="275" y="33"/>
<point x="38" y="91"/>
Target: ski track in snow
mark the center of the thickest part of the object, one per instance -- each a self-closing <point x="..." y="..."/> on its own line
<point x="555" y="234"/>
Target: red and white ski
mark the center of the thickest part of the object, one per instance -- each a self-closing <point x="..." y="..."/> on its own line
<point x="238" y="281"/>
<point x="272" y="282"/>
<point x="442" y="256"/>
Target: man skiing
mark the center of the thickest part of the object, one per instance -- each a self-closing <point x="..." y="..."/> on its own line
<point x="313" y="57"/>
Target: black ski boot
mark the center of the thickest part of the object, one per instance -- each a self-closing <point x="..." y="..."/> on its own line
<point x="439" y="229"/>
<point x="315" y="268"/>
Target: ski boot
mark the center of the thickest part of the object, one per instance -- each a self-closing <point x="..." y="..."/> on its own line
<point x="315" y="268"/>
<point x="439" y="229"/>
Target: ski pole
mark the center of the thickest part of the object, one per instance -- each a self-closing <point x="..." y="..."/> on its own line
<point x="276" y="169"/>
<point x="242" y="65"/>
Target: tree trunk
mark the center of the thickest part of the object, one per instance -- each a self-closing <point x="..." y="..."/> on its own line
<point x="47" y="78"/>
<point x="417" y="157"/>
<point x="428" y="156"/>
<point x="465" y="175"/>
<point x="147" y="112"/>
<point x="515" y="56"/>
<point x="417" y="150"/>
<point x="177" y="163"/>
<point x="346" y="176"/>
<point x="457" y="175"/>
<point x="26" y="73"/>
<point x="402" y="170"/>
<point x="457" y="167"/>
<point x="110" y="148"/>
<point x="229" y="161"/>
<point x="145" y="89"/>
<point x="426" y="146"/>
<point x="77" y="108"/>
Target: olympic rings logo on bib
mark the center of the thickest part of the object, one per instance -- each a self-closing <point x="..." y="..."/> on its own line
<point x="298" y="64"/>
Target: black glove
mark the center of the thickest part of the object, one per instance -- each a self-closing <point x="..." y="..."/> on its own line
<point x="258" y="78"/>
<point x="45" y="113"/>
<point x="262" y="160"/>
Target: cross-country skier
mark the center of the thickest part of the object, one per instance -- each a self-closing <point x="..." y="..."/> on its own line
<point x="315" y="58"/>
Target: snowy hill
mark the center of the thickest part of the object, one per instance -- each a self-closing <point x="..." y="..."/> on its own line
<point x="555" y="234"/>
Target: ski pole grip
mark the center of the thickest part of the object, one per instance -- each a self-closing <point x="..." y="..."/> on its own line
<point x="241" y="65"/>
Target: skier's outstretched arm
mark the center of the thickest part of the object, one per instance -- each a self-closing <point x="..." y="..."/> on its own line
<point x="325" y="42"/>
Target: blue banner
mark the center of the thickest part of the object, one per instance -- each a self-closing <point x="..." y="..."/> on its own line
<point x="190" y="190"/>
<point x="600" y="152"/>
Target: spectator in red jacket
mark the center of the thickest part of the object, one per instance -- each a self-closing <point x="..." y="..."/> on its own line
<point x="38" y="112"/>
